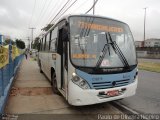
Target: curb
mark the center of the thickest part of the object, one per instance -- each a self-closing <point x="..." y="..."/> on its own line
<point x="123" y="108"/>
<point x="126" y="110"/>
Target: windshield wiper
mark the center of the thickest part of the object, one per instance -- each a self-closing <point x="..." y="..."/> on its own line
<point x="103" y="52"/>
<point x="118" y="52"/>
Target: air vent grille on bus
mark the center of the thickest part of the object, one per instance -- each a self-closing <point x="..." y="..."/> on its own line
<point x="105" y="85"/>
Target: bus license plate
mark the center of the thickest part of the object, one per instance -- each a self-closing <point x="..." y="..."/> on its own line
<point x="113" y="93"/>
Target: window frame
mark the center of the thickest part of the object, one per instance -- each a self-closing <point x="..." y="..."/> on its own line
<point x="53" y="39"/>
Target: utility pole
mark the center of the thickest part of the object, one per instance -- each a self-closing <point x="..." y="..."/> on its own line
<point x="145" y="23"/>
<point x="32" y="36"/>
<point x="28" y="42"/>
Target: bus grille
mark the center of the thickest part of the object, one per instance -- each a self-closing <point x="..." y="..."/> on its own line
<point x="105" y="85"/>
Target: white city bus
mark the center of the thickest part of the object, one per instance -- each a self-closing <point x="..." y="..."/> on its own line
<point x="89" y="59"/>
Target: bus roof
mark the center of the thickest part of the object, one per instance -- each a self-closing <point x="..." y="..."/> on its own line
<point x="89" y="15"/>
<point x="66" y="17"/>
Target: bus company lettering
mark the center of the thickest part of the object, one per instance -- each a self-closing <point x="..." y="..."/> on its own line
<point x="100" y="27"/>
<point x="97" y="78"/>
<point x="83" y="56"/>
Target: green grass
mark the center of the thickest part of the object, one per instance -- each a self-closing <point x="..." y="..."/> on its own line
<point x="149" y="66"/>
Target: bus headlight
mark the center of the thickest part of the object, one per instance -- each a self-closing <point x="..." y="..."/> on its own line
<point x="76" y="79"/>
<point x="80" y="82"/>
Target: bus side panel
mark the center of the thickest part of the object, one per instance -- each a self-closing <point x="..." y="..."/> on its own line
<point x="71" y="70"/>
<point x="52" y="62"/>
<point x="44" y="62"/>
<point x="48" y="66"/>
<point x="41" y="61"/>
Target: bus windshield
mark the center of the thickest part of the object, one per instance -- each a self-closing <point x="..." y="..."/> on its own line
<point x="93" y="42"/>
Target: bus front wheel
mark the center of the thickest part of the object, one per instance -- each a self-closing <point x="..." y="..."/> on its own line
<point x="54" y="84"/>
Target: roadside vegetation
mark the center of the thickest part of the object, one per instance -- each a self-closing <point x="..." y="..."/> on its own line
<point x="149" y="66"/>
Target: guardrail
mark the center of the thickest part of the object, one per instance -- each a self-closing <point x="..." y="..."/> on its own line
<point x="8" y="72"/>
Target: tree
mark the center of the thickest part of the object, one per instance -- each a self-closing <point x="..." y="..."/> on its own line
<point x="20" y="44"/>
<point x="7" y="42"/>
<point x="35" y="45"/>
<point x="47" y="27"/>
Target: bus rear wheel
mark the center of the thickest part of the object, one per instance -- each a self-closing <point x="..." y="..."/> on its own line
<point x="54" y="84"/>
<point x="40" y="68"/>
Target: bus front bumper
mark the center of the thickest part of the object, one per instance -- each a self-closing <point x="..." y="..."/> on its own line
<point x="79" y="97"/>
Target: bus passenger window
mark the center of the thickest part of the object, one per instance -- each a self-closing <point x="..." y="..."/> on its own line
<point x="47" y="42"/>
<point x="41" y="45"/>
<point x="53" y="45"/>
<point x="53" y="41"/>
<point x="44" y="47"/>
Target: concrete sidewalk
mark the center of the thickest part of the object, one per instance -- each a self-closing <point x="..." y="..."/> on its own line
<point x="31" y="93"/>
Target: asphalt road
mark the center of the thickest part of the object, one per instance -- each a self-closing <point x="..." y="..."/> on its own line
<point x="147" y="98"/>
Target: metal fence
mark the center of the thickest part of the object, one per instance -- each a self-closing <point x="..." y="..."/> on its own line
<point x="7" y="74"/>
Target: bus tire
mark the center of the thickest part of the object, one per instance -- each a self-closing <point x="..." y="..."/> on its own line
<point x="54" y="84"/>
<point x="40" y="69"/>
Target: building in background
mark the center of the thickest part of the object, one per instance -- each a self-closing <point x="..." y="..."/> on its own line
<point x="139" y="44"/>
<point x="152" y="42"/>
<point x="149" y="48"/>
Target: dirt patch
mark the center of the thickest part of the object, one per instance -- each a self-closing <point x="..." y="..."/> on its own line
<point x="27" y="91"/>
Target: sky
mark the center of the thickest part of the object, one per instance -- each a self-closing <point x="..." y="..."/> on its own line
<point x="17" y="16"/>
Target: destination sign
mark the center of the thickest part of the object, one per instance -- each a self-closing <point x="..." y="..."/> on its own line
<point x="83" y="56"/>
<point x="100" y="27"/>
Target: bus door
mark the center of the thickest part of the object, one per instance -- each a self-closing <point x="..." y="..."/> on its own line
<point x="62" y="51"/>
